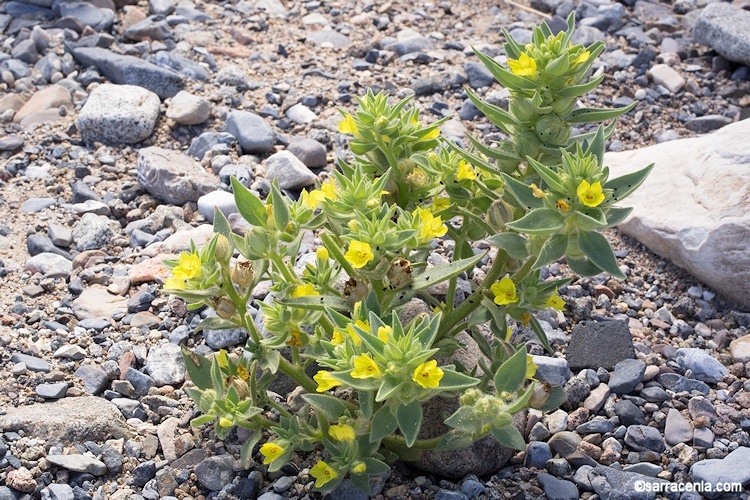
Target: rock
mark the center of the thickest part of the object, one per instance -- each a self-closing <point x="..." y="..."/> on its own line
<point x="21" y="480"/>
<point x="39" y="243"/>
<point x="152" y="28"/>
<point x="301" y="114"/>
<point x="608" y="482"/>
<point x="644" y="438"/>
<point x="61" y="236"/>
<point x="584" y="348"/>
<point x="33" y="205"/>
<point x="165" y="365"/>
<point x="726" y="28"/>
<point x="52" y="391"/>
<point x="667" y="77"/>
<point x="220" y="199"/>
<point x="309" y="151"/>
<point x="140" y="381"/>
<point x="31" y="363"/>
<point x="629" y="413"/>
<point x="51" y="97"/>
<point x="88" y="14"/>
<point x="677" y="429"/>
<point x="58" y="491"/>
<point x="220" y="339"/>
<point x="131" y="70"/>
<point x="537" y="454"/>
<point x="182" y="65"/>
<point x="482" y="458"/>
<point x="188" y="109"/>
<point x="97" y="302"/>
<point x="557" y="489"/>
<point x="552" y="370"/>
<point x="730" y="469"/>
<point x="215" y="472"/>
<point x="167" y="432"/>
<point x="703" y="221"/>
<point x="704" y="367"/>
<point x="118" y="114"/>
<point x="208" y="141"/>
<point x="290" y="172"/>
<point x="329" y="38"/>
<point x="628" y="374"/>
<point x="479" y="76"/>
<point x="95" y="379"/>
<point x="172" y="176"/>
<point x="49" y="264"/>
<point x="79" y="463"/>
<point x="93" y="232"/>
<point x="678" y="383"/>
<point x="708" y="123"/>
<point x="597" y="397"/>
<point x="70" y="351"/>
<point x="253" y="133"/>
<point x="69" y="420"/>
<point x="740" y="349"/>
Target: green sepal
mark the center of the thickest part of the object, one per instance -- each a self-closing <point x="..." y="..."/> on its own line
<point x="623" y="186"/>
<point x="549" y="177"/>
<point x="203" y="419"/>
<point x="583" y="266"/>
<point x="250" y="207"/>
<point x="389" y="385"/>
<point x="328" y="406"/>
<point x="597" y="249"/>
<point x="198" y="368"/>
<point x="221" y="224"/>
<point x="590" y="115"/>
<point x="579" y="90"/>
<point x="511" y="374"/>
<point x="539" y="221"/>
<point x="383" y="424"/>
<point x="514" y="244"/>
<point x="496" y="153"/>
<point x="552" y="250"/>
<point x="366" y="403"/>
<point x="246" y="452"/>
<point x="509" y="436"/>
<point x="409" y="417"/>
<point x="539" y="331"/>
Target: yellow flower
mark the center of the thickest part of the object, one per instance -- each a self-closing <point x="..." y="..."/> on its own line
<point x="505" y="291"/>
<point x="465" y="171"/>
<point x="590" y="195"/>
<point x="359" y="254"/>
<point x="556" y="302"/>
<point x="417" y="177"/>
<point x="174" y="283"/>
<point x="225" y="422"/>
<point x="322" y="253"/>
<point x="305" y="290"/>
<point x="384" y="333"/>
<point x="362" y="325"/>
<point x="188" y="267"/>
<point x="562" y="205"/>
<point x="327" y="190"/>
<point x="538" y="193"/>
<point x="365" y="367"/>
<point x="338" y="337"/>
<point x="342" y="432"/>
<point x="323" y="474"/>
<point x="432" y="134"/>
<point x="326" y="381"/>
<point x="582" y="57"/>
<point x="359" y="468"/>
<point x="523" y="66"/>
<point x="309" y="200"/>
<point x="347" y="125"/>
<point x="439" y="204"/>
<point x="270" y="452"/>
<point x="530" y="368"/>
<point x="431" y="226"/>
<point x="428" y="374"/>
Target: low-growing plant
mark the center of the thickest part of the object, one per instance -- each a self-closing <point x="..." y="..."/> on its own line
<point x="536" y="197"/>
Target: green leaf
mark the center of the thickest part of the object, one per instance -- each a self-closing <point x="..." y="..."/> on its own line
<point x="505" y="77"/>
<point x="579" y="90"/>
<point x="522" y="193"/>
<point x="552" y="250"/>
<point x="511" y="374"/>
<point x="439" y="274"/>
<point x="597" y="249"/>
<point x="616" y="215"/>
<point x="270" y="361"/>
<point x="547" y="174"/>
<point x="583" y="266"/>
<point x="539" y="331"/>
<point x="362" y="482"/>
<point x="455" y="440"/>
<point x="453" y="381"/>
<point x="250" y="207"/>
<point x="203" y="419"/>
<point x="280" y="208"/>
<point x="317" y="303"/>
<point x="465" y="419"/>
<point x="509" y="436"/>
<point x="221" y="224"/>
<point x="198" y="368"/>
<point x="622" y="186"/>
<point x="328" y="406"/>
<point x="589" y="115"/>
<point x="513" y="243"/>
<point x="501" y="118"/>
<point x="409" y="417"/>
<point x="375" y="466"/>
<point x="246" y="452"/>
<point x="384" y="423"/>
<point x="539" y="221"/>
<point x="215" y="323"/>
<point x="366" y="403"/>
<point x="388" y="386"/>
<point x="496" y="153"/>
<point x="590" y="219"/>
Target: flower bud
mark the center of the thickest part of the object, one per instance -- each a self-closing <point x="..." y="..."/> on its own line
<point x="563" y="105"/>
<point x="558" y="66"/>
<point x="552" y="129"/>
<point x="242" y="274"/>
<point x="240" y="386"/>
<point x="400" y="273"/>
<point x="223" y="248"/>
<point x="224" y="307"/>
<point x="499" y="214"/>
<point x="522" y="109"/>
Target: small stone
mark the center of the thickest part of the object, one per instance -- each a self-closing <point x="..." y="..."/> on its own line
<point x="667" y="77"/>
<point x="79" y="463"/>
<point x="309" y="151"/>
<point x="70" y="351"/>
<point x="558" y="489"/>
<point x="165" y="365"/>
<point x="118" y="114"/>
<point x="224" y="201"/>
<point x="479" y="76"/>
<point x="61" y="236"/>
<point x="188" y="109"/>
<point x="597" y="398"/>
<point x="704" y="367"/>
<point x="94" y="378"/>
<point x="253" y="133"/>
<point x="552" y="370"/>
<point x="52" y="391"/>
<point x="32" y="363"/>
<point x="301" y="114"/>
<point x="215" y="472"/>
<point x="627" y="376"/>
<point x="730" y="469"/>
<point x="740" y="349"/>
<point x="644" y="438"/>
<point x="537" y="454"/>
<point x="677" y="429"/>
<point x="629" y="413"/>
<point x="172" y="176"/>
<point x="290" y="172"/>
<point x="57" y="491"/>
<point x="21" y="480"/>
<point x="708" y="123"/>
<point x="94" y="232"/>
<point x="33" y="205"/>
<point x="584" y="350"/>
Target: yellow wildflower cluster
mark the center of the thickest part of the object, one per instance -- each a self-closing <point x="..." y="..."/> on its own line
<point x="188" y="267"/>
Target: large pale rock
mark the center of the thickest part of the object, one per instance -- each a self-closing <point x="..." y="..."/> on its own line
<point x="51" y="97"/>
<point x="694" y="208"/>
<point x="69" y="420"/>
<point x="725" y="28"/>
<point x="172" y="176"/>
<point x="118" y="114"/>
<point x="97" y="302"/>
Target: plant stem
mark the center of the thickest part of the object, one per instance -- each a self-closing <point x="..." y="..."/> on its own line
<point x="283" y="268"/>
<point x="419" y="444"/>
<point x="276" y="406"/>
<point x="297" y="374"/>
